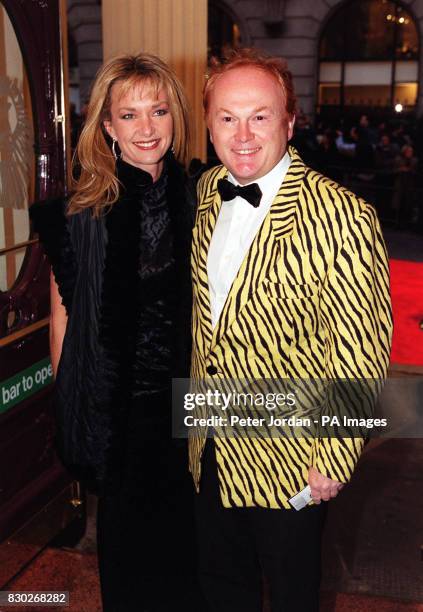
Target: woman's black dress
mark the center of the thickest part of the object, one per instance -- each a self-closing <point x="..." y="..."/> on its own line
<point x="129" y="312"/>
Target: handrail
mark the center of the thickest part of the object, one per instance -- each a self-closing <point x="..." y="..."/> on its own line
<point x="18" y="246"/>
<point x="25" y="331"/>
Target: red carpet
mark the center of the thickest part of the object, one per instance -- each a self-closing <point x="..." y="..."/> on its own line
<point x="407" y="301"/>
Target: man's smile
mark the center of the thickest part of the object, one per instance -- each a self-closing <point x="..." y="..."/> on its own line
<point x="246" y="151"/>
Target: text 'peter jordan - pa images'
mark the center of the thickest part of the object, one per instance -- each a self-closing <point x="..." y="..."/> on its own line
<point x="297" y="408"/>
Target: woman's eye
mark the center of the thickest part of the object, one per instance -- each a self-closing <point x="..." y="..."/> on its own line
<point x="161" y="111"/>
<point x="127" y="116"/>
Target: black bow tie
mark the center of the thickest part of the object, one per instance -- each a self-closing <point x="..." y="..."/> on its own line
<point x="229" y="191"/>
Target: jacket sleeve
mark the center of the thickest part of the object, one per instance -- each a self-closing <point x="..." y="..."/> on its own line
<point x="356" y="314"/>
<point x="50" y="222"/>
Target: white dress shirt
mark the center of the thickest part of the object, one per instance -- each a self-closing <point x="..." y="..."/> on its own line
<point x="236" y="227"/>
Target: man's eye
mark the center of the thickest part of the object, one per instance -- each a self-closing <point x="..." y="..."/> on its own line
<point x="226" y="119"/>
<point x="260" y="117"/>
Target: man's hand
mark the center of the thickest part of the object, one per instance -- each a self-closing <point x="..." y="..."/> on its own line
<point x="322" y="487"/>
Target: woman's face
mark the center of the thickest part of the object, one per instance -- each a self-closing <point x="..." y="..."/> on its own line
<point x="142" y="124"/>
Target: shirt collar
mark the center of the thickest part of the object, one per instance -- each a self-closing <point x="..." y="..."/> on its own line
<point x="268" y="181"/>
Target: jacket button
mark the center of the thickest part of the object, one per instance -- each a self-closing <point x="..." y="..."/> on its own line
<point x="211" y="369"/>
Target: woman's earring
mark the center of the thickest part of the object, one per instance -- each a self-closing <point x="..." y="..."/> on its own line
<point x="115" y="155"/>
<point x="172" y="148"/>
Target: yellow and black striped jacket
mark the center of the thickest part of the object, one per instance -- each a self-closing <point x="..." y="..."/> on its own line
<point x="310" y="300"/>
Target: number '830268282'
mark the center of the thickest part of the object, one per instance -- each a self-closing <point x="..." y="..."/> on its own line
<point x="45" y="598"/>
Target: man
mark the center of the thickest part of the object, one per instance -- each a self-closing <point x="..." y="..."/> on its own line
<point x="290" y="281"/>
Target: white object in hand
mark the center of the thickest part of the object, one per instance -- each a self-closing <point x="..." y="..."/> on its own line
<point x="301" y="499"/>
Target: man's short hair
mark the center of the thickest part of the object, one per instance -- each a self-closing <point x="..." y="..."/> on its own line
<point x="251" y="58"/>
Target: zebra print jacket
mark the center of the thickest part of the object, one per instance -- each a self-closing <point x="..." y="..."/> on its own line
<point x="311" y="300"/>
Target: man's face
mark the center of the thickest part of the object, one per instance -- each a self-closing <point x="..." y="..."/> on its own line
<point x="248" y="123"/>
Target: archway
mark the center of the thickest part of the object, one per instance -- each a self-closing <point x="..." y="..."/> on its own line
<point x="223" y="29"/>
<point x="368" y="60"/>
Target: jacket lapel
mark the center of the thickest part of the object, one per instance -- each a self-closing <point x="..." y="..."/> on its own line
<point x="278" y="225"/>
<point x="282" y="211"/>
<point x="207" y="213"/>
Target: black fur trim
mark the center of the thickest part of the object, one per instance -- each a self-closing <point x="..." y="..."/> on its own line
<point x="117" y="323"/>
<point x="50" y="222"/>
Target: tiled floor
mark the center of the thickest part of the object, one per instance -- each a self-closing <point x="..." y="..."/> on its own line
<point x="373" y="536"/>
<point x="342" y="602"/>
<point x="372" y="543"/>
<point x="77" y="573"/>
<point x="374" y="531"/>
<point x="62" y="570"/>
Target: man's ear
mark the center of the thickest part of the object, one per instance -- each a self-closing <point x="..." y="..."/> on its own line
<point x="209" y="130"/>
<point x="109" y="128"/>
<point x="206" y="119"/>
<point x="291" y="123"/>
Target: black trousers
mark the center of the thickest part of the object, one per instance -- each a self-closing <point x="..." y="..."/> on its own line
<point x="145" y="528"/>
<point x="238" y="547"/>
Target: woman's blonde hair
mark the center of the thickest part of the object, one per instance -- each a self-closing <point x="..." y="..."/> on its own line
<point x="97" y="186"/>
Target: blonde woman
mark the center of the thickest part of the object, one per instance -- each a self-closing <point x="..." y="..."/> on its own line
<point x="120" y="314"/>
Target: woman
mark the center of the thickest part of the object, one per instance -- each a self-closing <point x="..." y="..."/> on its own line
<point x="120" y="316"/>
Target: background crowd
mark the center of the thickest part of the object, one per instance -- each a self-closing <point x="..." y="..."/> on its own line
<point x="381" y="162"/>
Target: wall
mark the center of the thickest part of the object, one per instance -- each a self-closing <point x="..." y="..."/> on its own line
<point x="176" y="31"/>
<point x="298" y="41"/>
<point x="84" y="20"/>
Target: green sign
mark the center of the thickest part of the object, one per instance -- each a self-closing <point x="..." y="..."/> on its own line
<point x="25" y="383"/>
